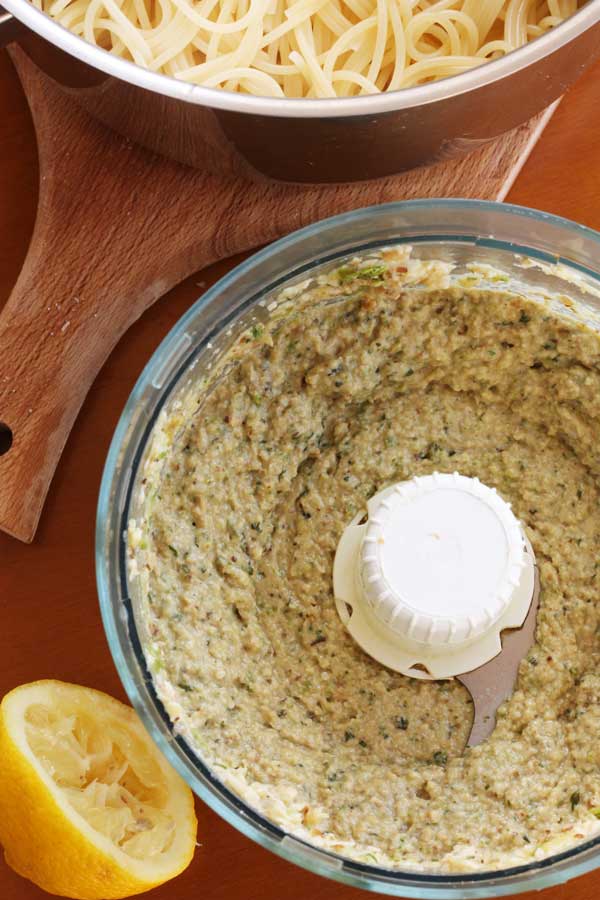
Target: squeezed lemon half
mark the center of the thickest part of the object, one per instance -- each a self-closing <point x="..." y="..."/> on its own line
<point x="89" y="808"/>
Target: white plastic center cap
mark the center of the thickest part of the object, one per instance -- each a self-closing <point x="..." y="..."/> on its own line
<point x="438" y="570"/>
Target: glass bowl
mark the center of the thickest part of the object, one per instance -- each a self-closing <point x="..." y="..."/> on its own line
<point x="539" y="252"/>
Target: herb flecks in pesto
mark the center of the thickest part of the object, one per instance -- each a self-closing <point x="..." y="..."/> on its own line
<point x="358" y="383"/>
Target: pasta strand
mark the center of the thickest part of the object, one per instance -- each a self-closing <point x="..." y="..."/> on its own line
<point x="309" y="48"/>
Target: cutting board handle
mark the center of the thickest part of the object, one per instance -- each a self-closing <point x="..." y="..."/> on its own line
<point x="116" y="228"/>
<point x="98" y="258"/>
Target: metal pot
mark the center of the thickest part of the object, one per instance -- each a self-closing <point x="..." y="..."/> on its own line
<point x="311" y="141"/>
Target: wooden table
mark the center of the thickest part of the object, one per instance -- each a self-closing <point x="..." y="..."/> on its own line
<point x="49" y="620"/>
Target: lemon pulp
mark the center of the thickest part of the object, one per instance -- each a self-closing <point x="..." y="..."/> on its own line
<point x="88" y="806"/>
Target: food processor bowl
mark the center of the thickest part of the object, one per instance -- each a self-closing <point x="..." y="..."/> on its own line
<point x="540" y="253"/>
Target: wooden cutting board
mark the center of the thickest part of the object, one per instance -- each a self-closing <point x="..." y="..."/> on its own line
<point x="116" y="228"/>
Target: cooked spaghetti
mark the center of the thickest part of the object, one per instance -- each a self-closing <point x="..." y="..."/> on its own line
<point x="309" y="48"/>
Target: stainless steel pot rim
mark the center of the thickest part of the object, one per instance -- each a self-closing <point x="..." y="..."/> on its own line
<point x="371" y="105"/>
<point x="117" y="613"/>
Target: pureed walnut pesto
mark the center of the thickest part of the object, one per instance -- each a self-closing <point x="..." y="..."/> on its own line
<point x="381" y="370"/>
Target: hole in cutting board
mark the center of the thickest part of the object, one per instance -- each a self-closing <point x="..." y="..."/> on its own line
<point x="6" y="438"/>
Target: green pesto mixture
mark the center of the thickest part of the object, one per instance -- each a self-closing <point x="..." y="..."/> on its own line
<point x="365" y="382"/>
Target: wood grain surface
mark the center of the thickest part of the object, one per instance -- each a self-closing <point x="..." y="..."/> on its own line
<point x="49" y="620"/>
<point x="106" y="245"/>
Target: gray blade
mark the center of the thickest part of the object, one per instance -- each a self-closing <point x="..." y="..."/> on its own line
<point x="492" y="683"/>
